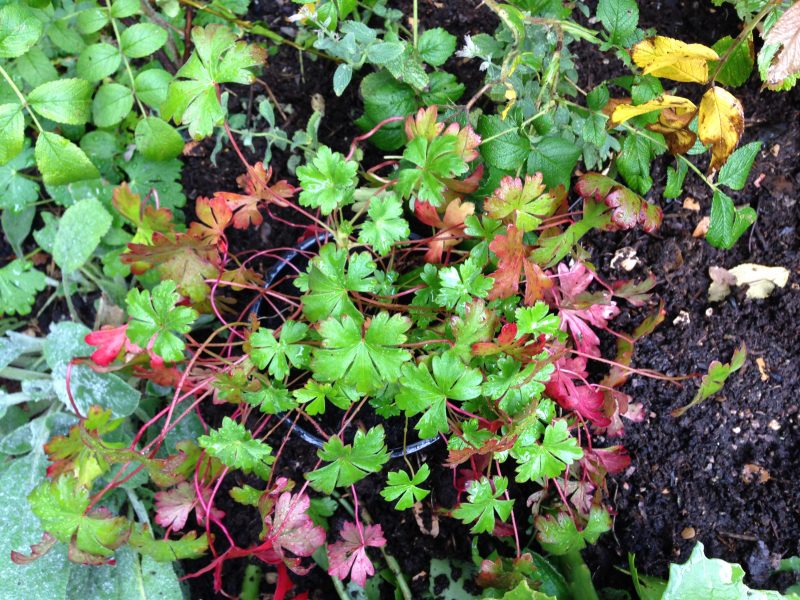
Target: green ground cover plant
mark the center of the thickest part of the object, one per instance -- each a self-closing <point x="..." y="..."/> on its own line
<point x="443" y="295"/>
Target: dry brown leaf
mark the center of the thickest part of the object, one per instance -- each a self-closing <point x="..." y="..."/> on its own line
<point x="762" y="369"/>
<point x="752" y="473"/>
<point x="721" y="282"/>
<point x="720" y="125"/>
<point x="673" y="59"/>
<point x="761" y="281"/>
<point x="786" y="33"/>
<point x="702" y="227"/>
<point x="690" y="203"/>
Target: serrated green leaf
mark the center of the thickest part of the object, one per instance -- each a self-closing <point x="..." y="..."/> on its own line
<point x="35" y="67"/>
<point x="12" y="129"/>
<point x="364" y="357"/>
<point x="435" y="46"/>
<point x="91" y="20"/>
<point x="63" y="101"/>
<point x="142" y="39"/>
<point x="156" y="317"/>
<point x="19" y="30"/>
<point x="60" y="161"/>
<point x="619" y="18"/>
<point x="235" y="447"/>
<point x="276" y="355"/>
<point x="483" y="503"/>
<point x="122" y="9"/>
<point x="382" y="53"/>
<point x="19" y="284"/>
<point x="459" y="285"/>
<point x="386" y="97"/>
<point x="727" y="223"/>
<point x="536" y="320"/>
<point x="734" y="172"/>
<point x="328" y="181"/>
<point x="152" y="85"/>
<point x="341" y="78"/>
<point x="739" y="63"/>
<point x="385" y="224"/>
<point x="157" y="140"/>
<point x="349" y="463"/>
<point x="555" y="158"/>
<point x="79" y="232"/>
<point x="675" y="179"/>
<point x="112" y="103"/>
<point x="557" y="450"/>
<point x="424" y="391"/>
<point x="98" y="61"/>
<point x="406" y="489"/>
<point x="503" y="147"/>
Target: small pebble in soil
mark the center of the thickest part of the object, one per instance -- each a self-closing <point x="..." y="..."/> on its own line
<point x="625" y="259"/>
<point x="774" y="425"/>
<point x="683" y="319"/>
<point x="688" y="533"/>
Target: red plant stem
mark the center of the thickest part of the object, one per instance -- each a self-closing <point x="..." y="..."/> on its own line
<point x="461" y="411"/>
<point x="355" y="513"/>
<point x="513" y="518"/>
<point x="69" y="391"/>
<point x="369" y="134"/>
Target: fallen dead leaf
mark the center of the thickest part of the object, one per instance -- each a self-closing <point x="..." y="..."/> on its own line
<point x="691" y="204"/>
<point x="761" y="281"/>
<point x="702" y="227"/>
<point x="434" y="530"/>
<point x="721" y="282"/>
<point x="752" y="473"/>
<point x="775" y="150"/>
<point x="762" y="368"/>
<point x="786" y="33"/>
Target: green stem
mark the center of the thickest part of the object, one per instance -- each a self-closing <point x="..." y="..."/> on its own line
<point x="17" y="374"/>
<point x="742" y="37"/>
<point x="578" y="576"/>
<point x="416" y="21"/>
<point x="125" y="59"/>
<point x="251" y="583"/>
<point x="21" y="96"/>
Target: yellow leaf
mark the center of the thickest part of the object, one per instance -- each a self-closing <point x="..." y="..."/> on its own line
<point x="681" y="106"/>
<point x="673" y="59"/>
<point x="674" y="126"/>
<point x="785" y="32"/>
<point x="720" y="125"/>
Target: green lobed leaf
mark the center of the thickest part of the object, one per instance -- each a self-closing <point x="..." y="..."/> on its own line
<point x="276" y="355"/>
<point x="328" y="181"/>
<point x="349" y="463"/>
<point x="156" y="318"/>
<point x="557" y="450"/>
<point x="19" y="284"/>
<point x="235" y="447"/>
<point x="483" y="503"/>
<point x="385" y="224"/>
<point x="406" y="489"/>
<point x="80" y="230"/>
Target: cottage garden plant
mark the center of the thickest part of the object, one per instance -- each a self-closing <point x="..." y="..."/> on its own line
<point x="440" y="300"/>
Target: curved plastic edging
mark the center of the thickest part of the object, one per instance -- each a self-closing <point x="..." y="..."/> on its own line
<point x="302" y="433"/>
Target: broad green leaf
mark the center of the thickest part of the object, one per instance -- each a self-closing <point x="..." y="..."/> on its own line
<point x="555" y="158"/>
<point x="386" y="97"/>
<point x="619" y="18"/>
<point x="483" y="503"/>
<point x="63" y="101"/>
<point x="365" y="357"/>
<point x="382" y="53"/>
<point x="17" y="226"/>
<point x="349" y="463"/>
<point x="157" y="140"/>
<point x="122" y="9"/>
<point x="739" y="64"/>
<point x="98" y="61"/>
<point x="12" y="127"/>
<point x="559" y="535"/>
<point x="112" y="103"/>
<point x="634" y="162"/>
<point x="435" y="46"/>
<point x="328" y="181"/>
<point x="65" y="36"/>
<point x="341" y="78"/>
<point x="503" y="147"/>
<point x="557" y="450"/>
<point x="142" y="39"/>
<point x="20" y="29"/>
<point x="675" y="179"/>
<point x="156" y="319"/>
<point x="43" y="578"/>
<point x="60" y="161"/>
<point x="235" y="447"/>
<point x="91" y="20"/>
<point x="19" y="284"/>
<point x="701" y="578"/>
<point x="734" y="172"/>
<point x="152" y="85"/>
<point x="727" y="223"/>
<point x="276" y="355"/>
<point x="385" y="224"/>
<point x="406" y="489"/>
<point x="35" y="67"/>
<point x="427" y="391"/>
<point x="80" y="230"/>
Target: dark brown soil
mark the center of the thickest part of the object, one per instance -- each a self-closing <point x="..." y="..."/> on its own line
<point x="687" y="472"/>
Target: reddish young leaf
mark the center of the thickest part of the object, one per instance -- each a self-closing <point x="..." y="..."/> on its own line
<point x="290" y="528"/>
<point x="173" y="506"/>
<point x="148" y="219"/>
<point x="508" y="343"/>
<point x="451" y="226"/>
<point x="424" y="124"/>
<point x="255" y="184"/>
<point x="350" y="554"/>
<point x="214" y="215"/>
<point x="458" y="456"/>
<point x="521" y="204"/>
<point x="513" y="260"/>
<point x="109" y="342"/>
<point x="564" y="388"/>
<point x="37" y="550"/>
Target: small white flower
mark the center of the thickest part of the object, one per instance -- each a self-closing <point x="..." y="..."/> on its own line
<point x="470" y="49"/>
